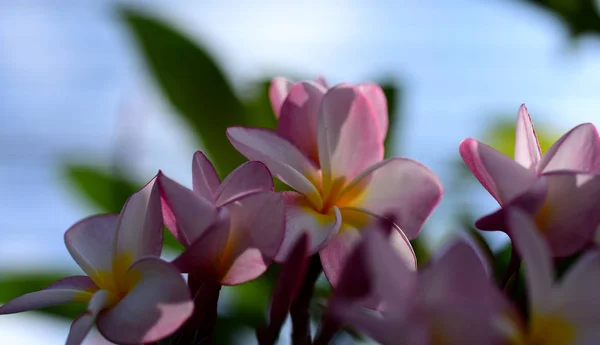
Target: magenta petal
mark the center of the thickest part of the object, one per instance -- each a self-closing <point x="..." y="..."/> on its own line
<point x="91" y="243"/>
<point x="248" y="178"/>
<point x="82" y="325"/>
<point x="140" y="230"/>
<point x="204" y="177"/>
<point x="157" y="306"/>
<point x="536" y="256"/>
<point x="301" y="218"/>
<point x="278" y="91"/>
<point x="186" y="214"/>
<point x="283" y="159"/>
<point x="578" y="150"/>
<point x="399" y="188"/>
<point x="500" y="175"/>
<point x="527" y="147"/>
<point x="67" y="290"/>
<point x="289" y="281"/>
<point x="349" y="140"/>
<point x="300" y="117"/>
<point x="378" y="102"/>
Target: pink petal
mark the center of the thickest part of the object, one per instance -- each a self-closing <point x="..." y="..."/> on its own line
<point x="399" y="188"/>
<point x="349" y="138"/>
<point x="248" y="178"/>
<point x="158" y="304"/>
<point x="283" y="159"/>
<point x="578" y="149"/>
<point x="321" y="81"/>
<point x="204" y="177"/>
<point x="289" y="281"/>
<point x="536" y="256"/>
<point x="300" y="116"/>
<point x="91" y="243"/>
<point x="67" y="290"/>
<point x="140" y="230"/>
<point x="335" y="254"/>
<point x="378" y="102"/>
<point x="278" y="91"/>
<point x="82" y="325"/>
<point x="203" y="256"/>
<point x="257" y="231"/>
<point x="301" y="217"/>
<point x="527" y="147"/>
<point x="578" y="293"/>
<point x="502" y="177"/>
<point x="186" y="214"/>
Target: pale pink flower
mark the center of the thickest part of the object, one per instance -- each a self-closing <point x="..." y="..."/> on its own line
<point x="231" y="230"/>
<point x="560" y="188"/>
<point x="329" y="148"/>
<point x="132" y="295"/>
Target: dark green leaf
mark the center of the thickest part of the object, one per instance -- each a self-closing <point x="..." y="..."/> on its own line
<point x="13" y="285"/>
<point x="580" y="16"/>
<point x="258" y="107"/>
<point x="100" y="186"/>
<point x="194" y="84"/>
<point x="392" y="94"/>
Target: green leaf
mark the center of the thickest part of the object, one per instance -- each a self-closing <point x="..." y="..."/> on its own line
<point x="258" y="107"/>
<point x="13" y="285"/>
<point x="194" y="84"/>
<point x="101" y="187"/>
<point x="580" y="16"/>
<point x="501" y="135"/>
<point x="392" y="94"/>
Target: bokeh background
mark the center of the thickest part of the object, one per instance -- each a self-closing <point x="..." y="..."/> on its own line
<point x="96" y="96"/>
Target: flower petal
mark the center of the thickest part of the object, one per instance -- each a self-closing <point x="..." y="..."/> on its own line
<point x="300" y="117"/>
<point x="67" y="290"/>
<point x="278" y="92"/>
<point x="527" y="146"/>
<point x="301" y="217"/>
<point x="399" y="188"/>
<point x="335" y="254"/>
<point x="82" y="325"/>
<point x="140" y="230"/>
<point x="578" y="149"/>
<point x="257" y="231"/>
<point x="157" y="306"/>
<point x="349" y="138"/>
<point x="283" y="159"/>
<point x="203" y="256"/>
<point x="248" y="178"/>
<point x="578" y="293"/>
<point x="91" y="243"/>
<point x="502" y="177"/>
<point x="378" y="102"/>
<point x="536" y="256"/>
<point x="205" y="180"/>
<point x="186" y="214"/>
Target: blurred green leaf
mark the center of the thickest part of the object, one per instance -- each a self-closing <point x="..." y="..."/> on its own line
<point x="392" y="94"/>
<point x="100" y="186"/>
<point x="501" y="136"/>
<point x="259" y="112"/>
<point x="13" y="285"/>
<point x="580" y="16"/>
<point x="194" y="84"/>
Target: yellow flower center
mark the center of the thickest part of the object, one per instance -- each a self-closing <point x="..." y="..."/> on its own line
<point x="546" y="330"/>
<point x="118" y="281"/>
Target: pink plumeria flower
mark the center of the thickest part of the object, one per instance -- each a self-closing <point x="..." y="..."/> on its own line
<point x="561" y="313"/>
<point x="329" y="148"/>
<point x="560" y="188"/>
<point x="133" y="296"/>
<point x="231" y="230"/>
<point x="453" y="301"/>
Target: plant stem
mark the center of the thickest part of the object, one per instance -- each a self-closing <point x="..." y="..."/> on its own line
<point x="299" y="310"/>
<point x="328" y="330"/>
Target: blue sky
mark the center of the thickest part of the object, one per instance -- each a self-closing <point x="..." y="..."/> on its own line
<point x="70" y="79"/>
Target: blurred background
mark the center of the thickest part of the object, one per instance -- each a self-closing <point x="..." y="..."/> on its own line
<point x="96" y="96"/>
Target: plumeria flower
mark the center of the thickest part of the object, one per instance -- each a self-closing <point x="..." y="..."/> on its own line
<point x="329" y="148"/>
<point x="231" y="230"/>
<point x="560" y="313"/>
<point x="559" y="188"/>
<point x="133" y="296"/>
<point x="453" y="301"/>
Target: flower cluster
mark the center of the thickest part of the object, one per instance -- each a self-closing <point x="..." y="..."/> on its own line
<point x="350" y="214"/>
